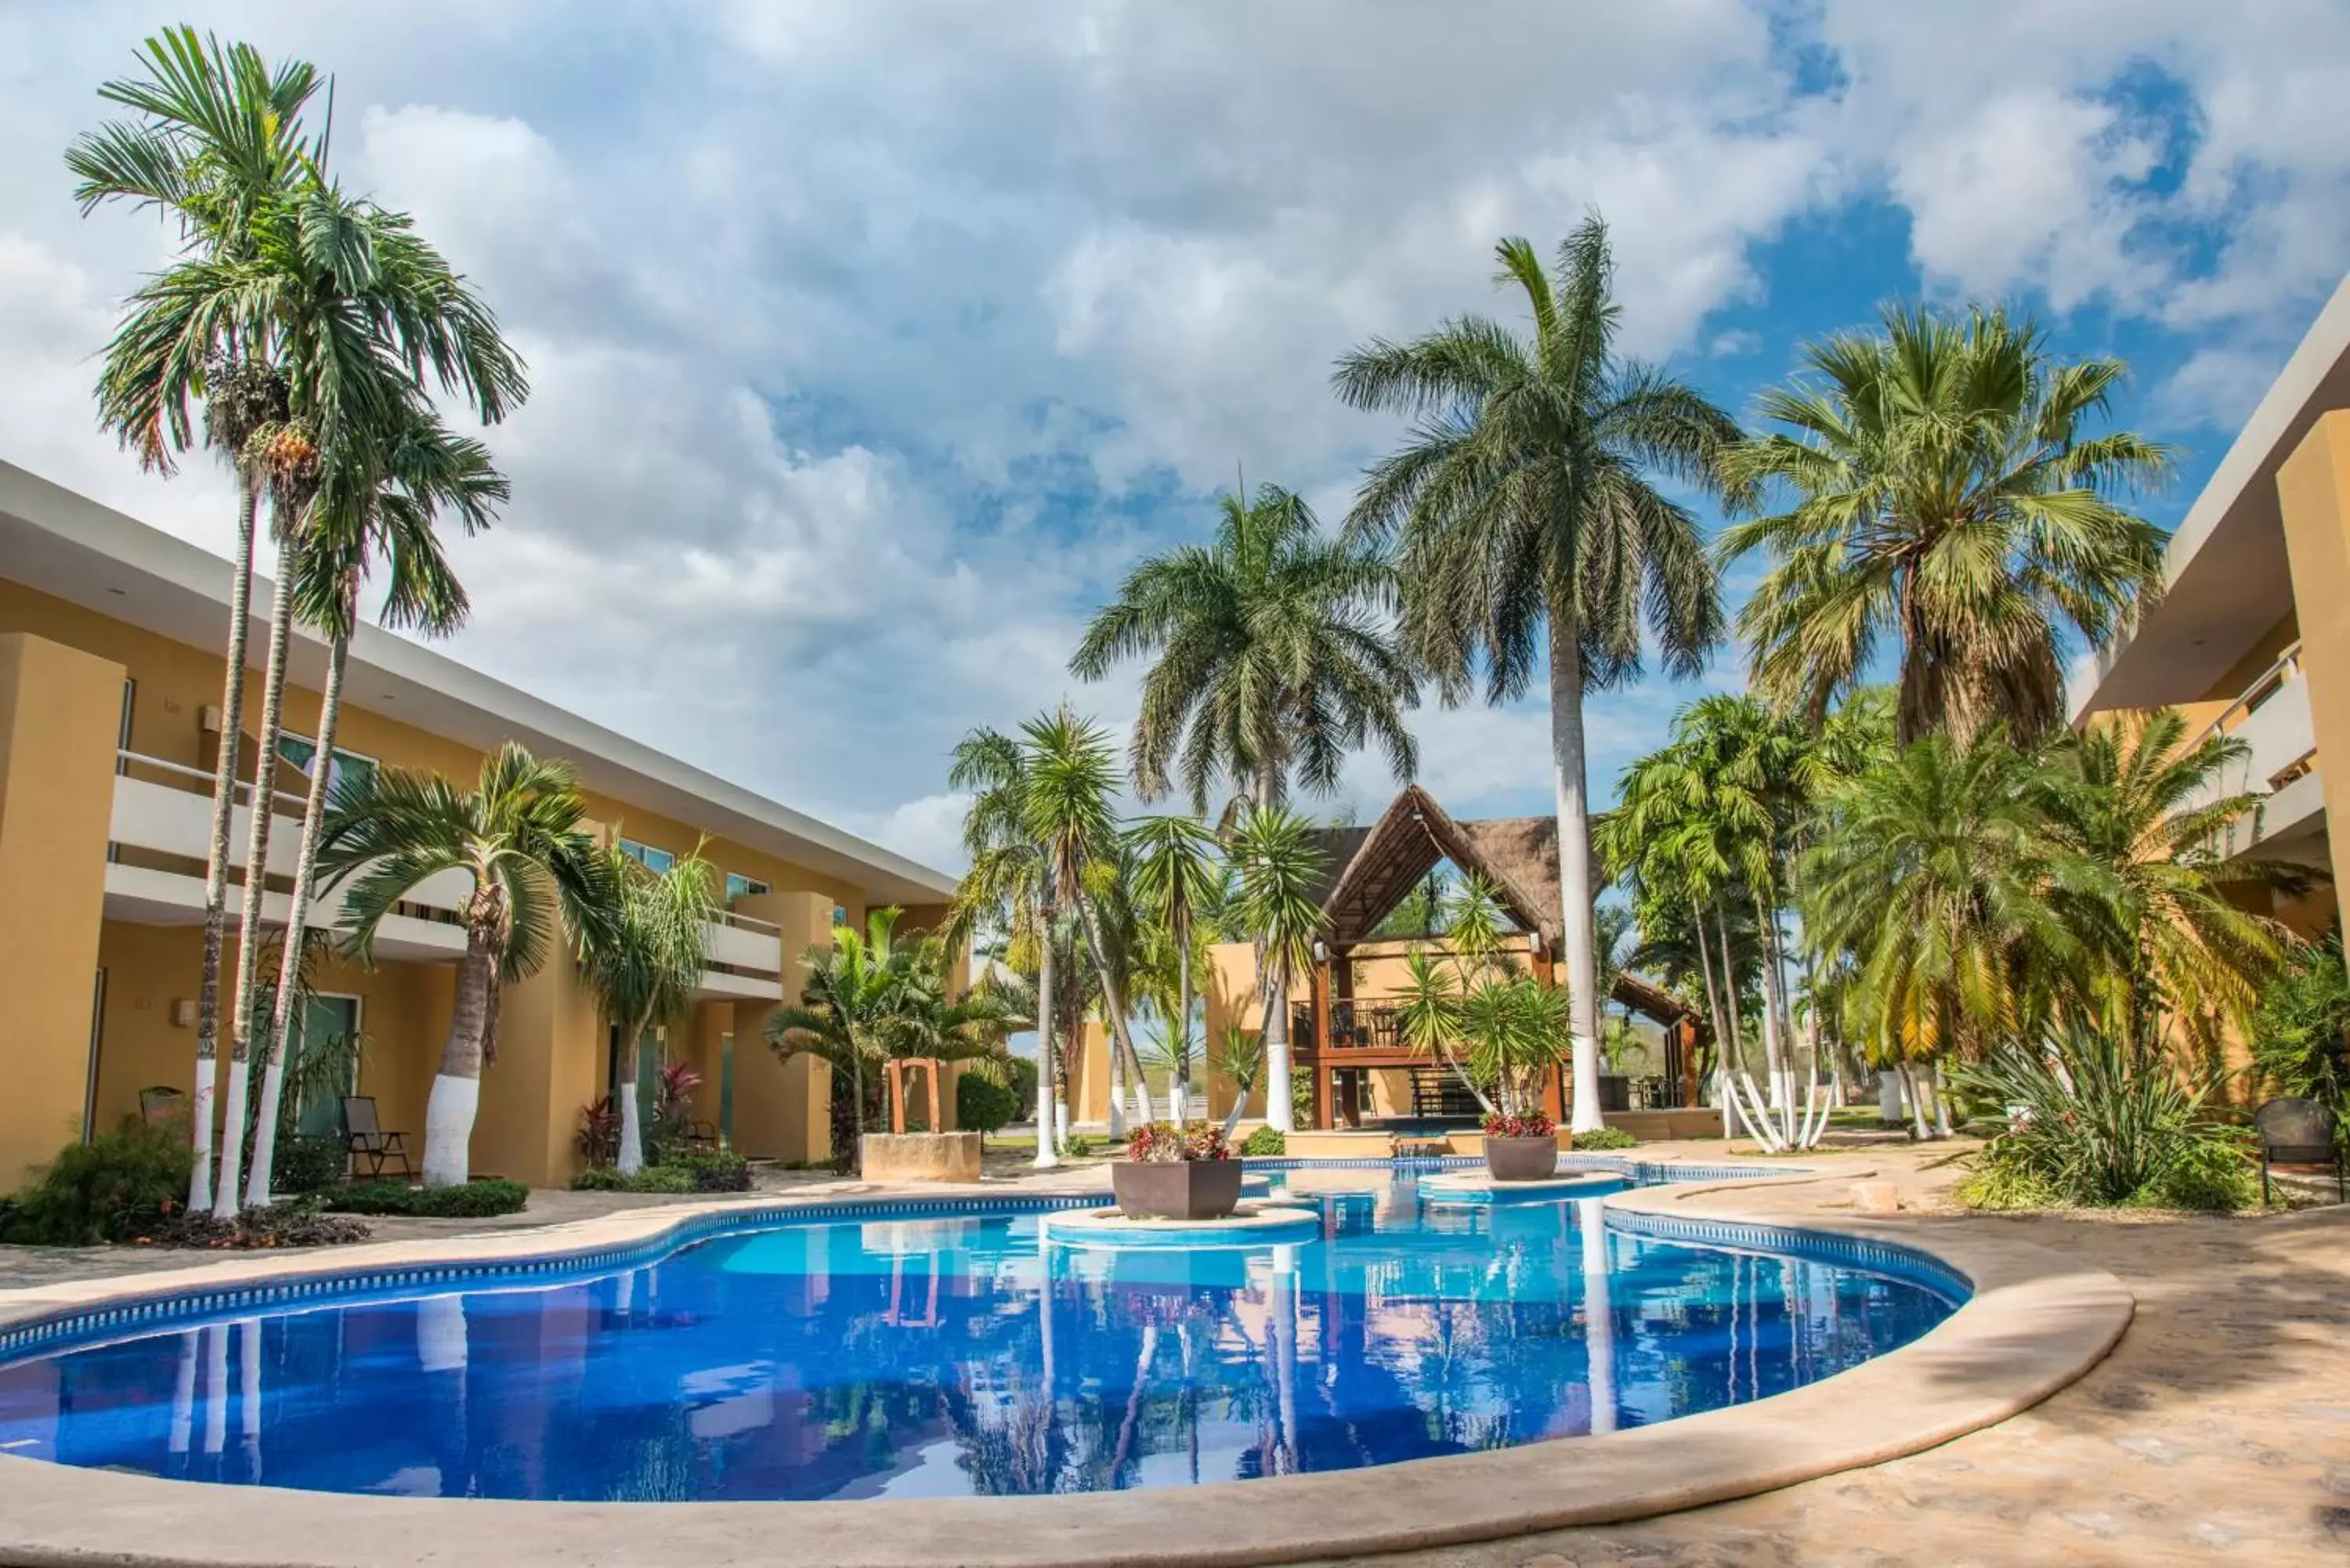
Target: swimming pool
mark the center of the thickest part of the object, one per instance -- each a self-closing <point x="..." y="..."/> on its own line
<point x="945" y="1349"/>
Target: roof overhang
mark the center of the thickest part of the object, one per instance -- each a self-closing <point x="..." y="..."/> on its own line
<point x="70" y="547"/>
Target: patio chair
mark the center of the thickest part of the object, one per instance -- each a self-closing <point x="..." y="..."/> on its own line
<point x="369" y="1141"/>
<point x="160" y="1105"/>
<point x="2299" y="1132"/>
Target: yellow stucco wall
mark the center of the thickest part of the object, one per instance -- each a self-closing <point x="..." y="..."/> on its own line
<point x="2314" y="492"/>
<point x="58" y="709"/>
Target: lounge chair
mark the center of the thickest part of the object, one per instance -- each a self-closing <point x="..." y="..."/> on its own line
<point x="369" y="1141"/>
<point x="2299" y="1132"/>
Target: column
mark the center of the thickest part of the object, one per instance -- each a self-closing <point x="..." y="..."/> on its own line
<point x="2313" y="498"/>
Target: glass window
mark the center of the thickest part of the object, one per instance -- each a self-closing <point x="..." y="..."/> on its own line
<point x="348" y="768"/>
<point x="652" y="859"/>
<point x="740" y="887"/>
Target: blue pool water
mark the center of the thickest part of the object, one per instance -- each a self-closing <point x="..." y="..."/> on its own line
<point x="923" y="1357"/>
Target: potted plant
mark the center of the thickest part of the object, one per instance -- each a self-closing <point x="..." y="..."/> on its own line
<point x="1521" y="1146"/>
<point x="1173" y="1172"/>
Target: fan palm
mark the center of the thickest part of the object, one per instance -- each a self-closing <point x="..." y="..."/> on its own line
<point x="1526" y="523"/>
<point x="536" y="875"/>
<point x="643" y="962"/>
<point x="378" y="497"/>
<point x="1948" y="498"/>
<point x="1277" y="867"/>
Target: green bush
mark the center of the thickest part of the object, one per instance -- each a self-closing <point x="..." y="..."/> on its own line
<point x="1300" y="1099"/>
<point x="2209" y="1173"/>
<point x="1265" y="1142"/>
<point x="1998" y="1185"/>
<point x="465" y="1200"/>
<point x="120" y="1186"/>
<point x="2300" y="1031"/>
<point x="652" y="1178"/>
<point x="1606" y="1137"/>
<point x="715" y="1170"/>
<point x="1082" y="1144"/>
<point x="985" y="1107"/>
<point x="310" y="1164"/>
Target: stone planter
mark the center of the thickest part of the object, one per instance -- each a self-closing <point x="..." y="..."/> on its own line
<point x="919" y="1157"/>
<point x="1176" y="1188"/>
<point x="1522" y="1158"/>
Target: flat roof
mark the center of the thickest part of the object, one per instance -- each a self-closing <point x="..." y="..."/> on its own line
<point x="2226" y="578"/>
<point x="63" y="544"/>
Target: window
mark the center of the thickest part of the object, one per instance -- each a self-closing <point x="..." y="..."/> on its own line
<point x="839" y="916"/>
<point x="740" y="887"/>
<point x="644" y="855"/>
<point x="348" y="768"/>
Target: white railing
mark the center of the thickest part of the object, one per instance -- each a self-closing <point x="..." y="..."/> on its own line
<point x="2272" y="721"/>
<point x="747" y="923"/>
<point x="124" y="760"/>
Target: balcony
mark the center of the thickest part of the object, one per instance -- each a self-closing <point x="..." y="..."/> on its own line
<point x="161" y="836"/>
<point x="2271" y="720"/>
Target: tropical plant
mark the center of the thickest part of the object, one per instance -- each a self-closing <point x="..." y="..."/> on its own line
<point x="1160" y="1143"/>
<point x="477" y="1199"/>
<point x="983" y="1106"/>
<point x="1173" y="874"/>
<point x="1240" y="1057"/>
<point x="1277" y="867"/>
<point x="1948" y="498"/>
<point x="2301" y="1029"/>
<point x="1428" y="1017"/>
<point x="1515" y="1029"/>
<point x="1264" y="1142"/>
<point x="642" y="962"/>
<point x="1525" y="525"/>
<point x="118" y="1187"/>
<point x="536" y="878"/>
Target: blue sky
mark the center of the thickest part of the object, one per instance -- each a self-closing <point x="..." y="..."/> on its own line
<point x="874" y="343"/>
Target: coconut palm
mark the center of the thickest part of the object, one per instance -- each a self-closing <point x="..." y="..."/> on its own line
<point x="2136" y="797"/>
<point x="1174" y="874"/>
<point x="1948" y="498"/>
<point x="1277" y="866"/>
<point x="1066" y="809"/>
<point x="378" y="498"/>
<point x="643" y="962"/>
<point x="1525" y="525"/>
<point x="539" y="882"/>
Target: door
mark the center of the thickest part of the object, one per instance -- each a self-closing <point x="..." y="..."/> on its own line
<point x="327" y="1024"/>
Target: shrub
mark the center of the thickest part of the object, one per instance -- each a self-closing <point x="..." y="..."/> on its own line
<point x="117" y="1188"/>
<point x="1165" y="1142"/>
<point x="982" y="1106"/>
<point x="1998" y="1184"/>
<point x="296" y="1224"/>
<point x="1266" y="1141"/>
<point x="1082" y="1144"/>
<point x="465" y="1200"/>
<point x="2300" y="1031"/>
<point x="715" y="1170"/>
<point x="652" y="1178"/>
<point x="2207" y="1173"/>
<point x="1300" y="1099"/>
<point x="599" y="1131"/>
<point x="1606" y="1137"/>
<point x="308" y="1163"/>
<point x="1521" y="1123"/>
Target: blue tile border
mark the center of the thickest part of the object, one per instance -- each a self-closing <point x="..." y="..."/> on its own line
<point x="55" y="1331"/>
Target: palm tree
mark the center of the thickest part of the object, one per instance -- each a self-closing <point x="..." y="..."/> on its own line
<point x="378" y="497"/>
<point x="1270" y="657"/>
<point x="644" y="961"/>
<point x="1071" y="777"/>
<point x="2136" y="797"/>
<point x="1174" y="875"/>
<point x="1521" y="504"/>
<point x="1947" y="499"/>
<point x="1009" y="889"/>
<point x="537" y="878"/>
<point x="1240" y="1059"/>
<point x="219" y="135"/>
<point x="1277" y="866"/>
<point x="847" y="1014"/>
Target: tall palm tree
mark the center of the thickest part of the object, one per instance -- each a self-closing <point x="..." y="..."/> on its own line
<point x="219" y="134"/>
<point x="538" y="879"/>
<point x="643" y="962"/>
<point x="1526" y="523"/>
<point x="2135" y="797"/>
<point x="1009" y="889"/>
<point x="1277" y="866"/>
<point x="1948" y="498"/>
<point x="1174" y="875"/>
<point x="378" y="499"/>
<point x="1066" y="809"/>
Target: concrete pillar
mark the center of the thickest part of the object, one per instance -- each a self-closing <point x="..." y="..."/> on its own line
<point x="60" y="710"/>
<point x="783" y="1109"/>
<point x="550" y="1067"/>
<point x="2313" y="495"/>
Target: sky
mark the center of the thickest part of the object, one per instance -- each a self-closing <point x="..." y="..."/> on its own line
<point x="872" y="343"/>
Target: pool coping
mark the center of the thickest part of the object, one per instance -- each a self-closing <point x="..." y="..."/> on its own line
<point x="2035" y="1321"/>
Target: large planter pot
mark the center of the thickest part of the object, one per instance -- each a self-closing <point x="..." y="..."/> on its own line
<point x="1522" y="1158"/>
<point x="1176" y="1188"/>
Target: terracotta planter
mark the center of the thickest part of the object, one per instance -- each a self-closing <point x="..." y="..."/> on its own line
<point x="1522" y="1158"/>
<point x="1176" y="1188"/>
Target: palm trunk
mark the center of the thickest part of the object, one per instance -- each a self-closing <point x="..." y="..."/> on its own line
<point x="1917" y="1091"/>
<point x="1178" y="1086"/>
<point x="1888" y="1095"/>
<point x="1280" y="1113"/>
<point x="232" y="736"/>
<point x="1721" y="1033"/>
<point x="1124" y="1057"/>
<point x="1047" y="1151"/>
<point x="305" y="870"/>
<point x="256" y="875"/>
<point x="1117" y="1118"/>
<point x="457" y="1089"/>
<point x="633" y="1114"/>
<point x="1774" y="1045"/>
<point x="1942" y="1101"/>
<point x="1578" y="944"/>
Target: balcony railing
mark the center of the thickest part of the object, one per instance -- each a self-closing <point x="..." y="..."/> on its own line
<point x="1354" y="1026"/>
<point x="2271" y="720"/>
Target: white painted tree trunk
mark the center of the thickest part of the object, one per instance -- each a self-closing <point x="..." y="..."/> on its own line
<point x="1047" y="1152"/>
<point x="1721" y="1032"/>
<point x="633" y="1115"/>
<point x="449" y="1130"/>
<point x="441" y="1338"/>
<point x="1579" y="947"/>
<point x="1916" y="1092"/>
<point x="1888" y="1095"/>
<point x="1942" y="1102"/>
<point x="1599" y="1314"/>
<point x="1279" y="1103"/>
<point x="1116" y="1086"/>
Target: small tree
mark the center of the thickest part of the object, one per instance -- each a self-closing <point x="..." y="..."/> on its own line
<point x="983" y="1106"/>
<point x="643" y="964"/>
